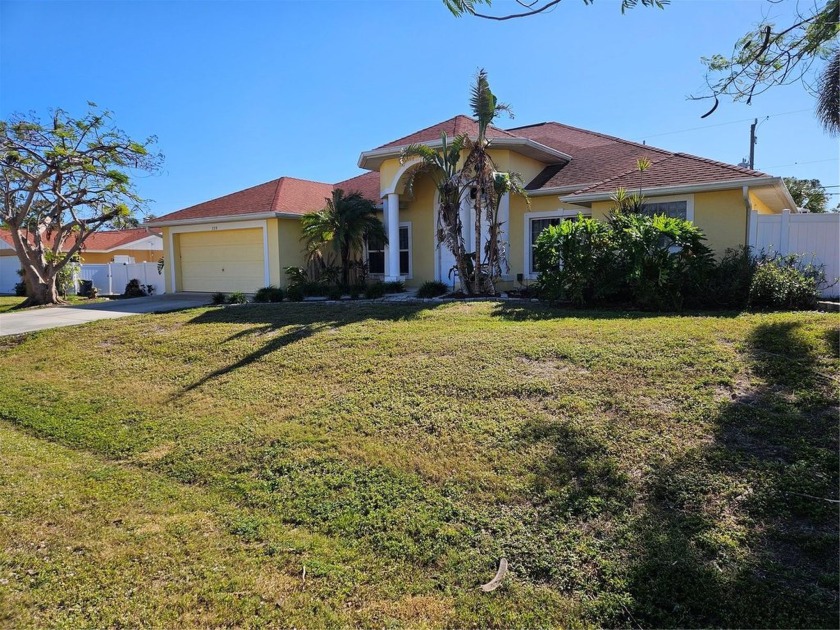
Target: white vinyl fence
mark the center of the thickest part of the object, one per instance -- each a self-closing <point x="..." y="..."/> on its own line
<point x="816" y="237"/>
<point x="111" y="278"/>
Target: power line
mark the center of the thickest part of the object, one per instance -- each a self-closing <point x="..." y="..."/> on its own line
<point x="800" y="163"/>
<point x="733" y="122"/>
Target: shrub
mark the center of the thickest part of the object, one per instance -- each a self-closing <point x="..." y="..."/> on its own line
<point x="237" y="297"/>
<point x="335" y="293"/>
<point x="294" y="293"/>
<point x="784" y="282"/>
<point x="314" y="289"/>
<point x="134" y="289"/>
<point x="20" y="289"/>
<point x="218" y="298"/>
<point x="729" y="284"/>
<point x="269" y="294"/>
<point x="355" y="291"/>
<point x="663" y="259"/>
<point x="576" y="261"/>
<point x="432" y="289"/>
<point x="396" y="286"/>
<point x="374" y="290"/>
<point x="296" y="275"/>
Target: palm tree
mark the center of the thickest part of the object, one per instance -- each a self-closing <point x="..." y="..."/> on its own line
<point x="442" y="166"/>
<point x="344" y="224"/>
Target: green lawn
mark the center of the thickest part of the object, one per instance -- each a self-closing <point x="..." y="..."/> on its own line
<point x="318" y="465"/>
<point x="8" y="302"/>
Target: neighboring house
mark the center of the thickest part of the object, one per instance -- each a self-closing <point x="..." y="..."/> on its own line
<point x="243" y="241"/>
<point x="108" y="246"/>
<point x="111" y="246"/>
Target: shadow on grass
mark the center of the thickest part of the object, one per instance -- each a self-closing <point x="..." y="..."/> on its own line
<point x="738" y="532"/>
<point x="743" y="532"/>
<point x="306" y="320"/>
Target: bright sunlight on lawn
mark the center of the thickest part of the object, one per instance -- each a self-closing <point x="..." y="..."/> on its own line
<point x="311" y="465"/>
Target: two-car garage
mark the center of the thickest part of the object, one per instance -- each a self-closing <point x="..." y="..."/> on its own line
<point x="222" y="260"/>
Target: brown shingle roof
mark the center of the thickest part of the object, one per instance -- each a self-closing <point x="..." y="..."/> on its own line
<point x="366" y="183"/>
<point x="453" y="127"/>
<point x="600" y="162"/>
<point x="677" y="169"/>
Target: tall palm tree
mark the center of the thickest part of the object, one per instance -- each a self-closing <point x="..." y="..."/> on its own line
<point x="480" y="171"/>
<point x="344" y="224"/>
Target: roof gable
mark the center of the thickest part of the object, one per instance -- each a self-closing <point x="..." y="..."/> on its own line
<point x="453" y="127"/>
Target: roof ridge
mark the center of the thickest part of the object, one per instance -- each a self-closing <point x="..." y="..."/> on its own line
<point x="276" y="195"/>
<point x="271" y="181"/>
<point x="422" y="130"/>
<point x="596" y="133"/>
<point x="622" y="174"/>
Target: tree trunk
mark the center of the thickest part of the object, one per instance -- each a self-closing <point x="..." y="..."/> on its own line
<point x="40" y="292"/>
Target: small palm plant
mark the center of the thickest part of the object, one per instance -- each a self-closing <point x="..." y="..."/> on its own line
<point x="343" y="224"/>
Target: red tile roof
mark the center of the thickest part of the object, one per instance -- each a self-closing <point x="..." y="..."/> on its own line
<point x="286" y="194"/>
<point x="98" y="241"/>
<point x="453" y="127"/>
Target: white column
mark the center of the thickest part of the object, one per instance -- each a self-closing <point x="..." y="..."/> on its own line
<point x="392" y="249"/>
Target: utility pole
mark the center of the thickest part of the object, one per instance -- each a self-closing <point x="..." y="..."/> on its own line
<point x="752" y="143"/>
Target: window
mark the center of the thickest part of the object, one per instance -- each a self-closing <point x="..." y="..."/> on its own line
<point x="675" y="209"/>
<point x="536" y="228"/>
<point x="376" y="253"/>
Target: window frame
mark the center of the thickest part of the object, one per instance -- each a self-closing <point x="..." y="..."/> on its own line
<point x="688" y="199"/>
<point x="409" y="251"/>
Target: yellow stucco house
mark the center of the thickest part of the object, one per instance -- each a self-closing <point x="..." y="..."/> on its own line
<point x="242" y="241"/>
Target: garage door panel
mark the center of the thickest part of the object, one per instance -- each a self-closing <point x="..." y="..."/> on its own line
<point x="224" y="260"/>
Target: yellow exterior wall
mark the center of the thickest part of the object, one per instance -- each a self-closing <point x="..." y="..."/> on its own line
<point x="289" y="249"/>
<point x="759" y="206"/>
<point x="722" y="216"/>
<point x="420" y="212"/>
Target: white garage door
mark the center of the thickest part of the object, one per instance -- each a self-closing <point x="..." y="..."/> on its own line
<point x="226" y="260"/>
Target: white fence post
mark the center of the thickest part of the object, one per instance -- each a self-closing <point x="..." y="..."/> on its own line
<point x="784" y="234"/>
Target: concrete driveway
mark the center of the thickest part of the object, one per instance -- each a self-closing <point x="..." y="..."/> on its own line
<point x="57" y="316"/>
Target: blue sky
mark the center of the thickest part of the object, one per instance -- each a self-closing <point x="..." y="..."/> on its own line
<point x="239" y="93"/>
